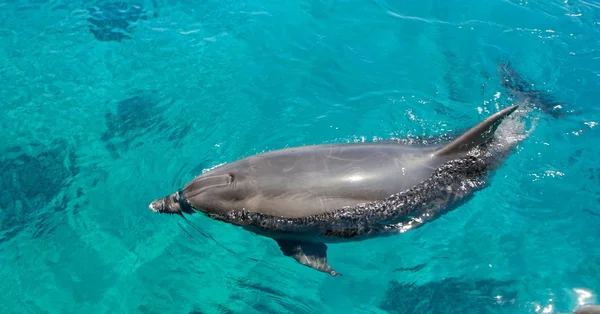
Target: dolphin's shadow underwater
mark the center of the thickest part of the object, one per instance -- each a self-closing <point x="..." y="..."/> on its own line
<point x="305" y="197"/>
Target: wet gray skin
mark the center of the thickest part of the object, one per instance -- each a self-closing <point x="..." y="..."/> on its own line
<point x="307" y="196"/>
<point x="588" y="309"/>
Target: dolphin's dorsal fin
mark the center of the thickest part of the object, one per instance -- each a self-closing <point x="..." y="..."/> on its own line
<point x="477" y="135"/>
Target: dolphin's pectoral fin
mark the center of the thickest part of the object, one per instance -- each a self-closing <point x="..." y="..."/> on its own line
<point x="310" y="254"/>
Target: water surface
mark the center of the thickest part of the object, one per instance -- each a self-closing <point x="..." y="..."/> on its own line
<point x="107" y="106"/>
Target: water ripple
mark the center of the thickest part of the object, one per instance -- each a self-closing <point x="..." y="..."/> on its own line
<point x="119" y="123"/>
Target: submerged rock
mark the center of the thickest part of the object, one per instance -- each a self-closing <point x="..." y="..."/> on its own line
<point x="32" y="179"/>
<point x="115" y="21"/>
<point x="451" y="295"/>
<point x="137" y="119"/>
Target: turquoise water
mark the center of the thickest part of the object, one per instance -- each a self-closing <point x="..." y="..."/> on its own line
<point x="97" y="123"/>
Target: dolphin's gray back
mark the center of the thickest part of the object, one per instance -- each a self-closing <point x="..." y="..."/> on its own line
<point x="314" y="180"/>
<point x="309" y="180"/>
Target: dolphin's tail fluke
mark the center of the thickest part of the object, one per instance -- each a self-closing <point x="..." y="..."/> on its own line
<point x="522" y="91"/>
<point x="477" y="135"/>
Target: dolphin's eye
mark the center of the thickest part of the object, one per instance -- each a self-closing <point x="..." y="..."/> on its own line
<point x="205" y="182"/>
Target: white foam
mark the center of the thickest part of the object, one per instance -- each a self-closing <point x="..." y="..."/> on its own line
<point x="512" y="129"/>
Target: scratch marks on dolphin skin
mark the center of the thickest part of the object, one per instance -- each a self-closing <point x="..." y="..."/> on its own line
<point x="32" y="178"/>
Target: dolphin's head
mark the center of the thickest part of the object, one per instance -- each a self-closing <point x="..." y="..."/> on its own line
<point x="215" y="192"/>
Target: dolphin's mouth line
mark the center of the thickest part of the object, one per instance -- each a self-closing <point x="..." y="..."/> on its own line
<point x="175" y="203"/>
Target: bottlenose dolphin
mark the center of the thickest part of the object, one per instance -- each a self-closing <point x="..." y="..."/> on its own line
<point x="304" y="197"/>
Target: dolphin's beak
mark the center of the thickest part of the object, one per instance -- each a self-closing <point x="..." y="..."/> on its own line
<point x="157" y="206"/>
<point x="171" y="204"/>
